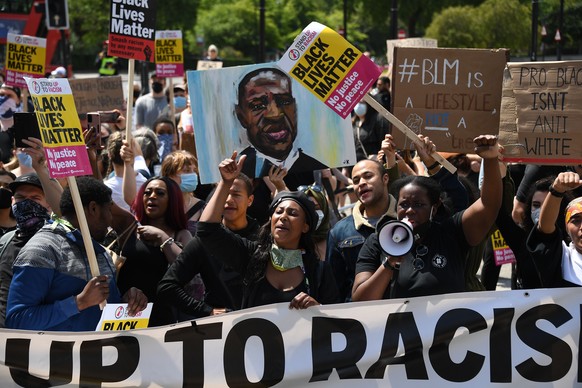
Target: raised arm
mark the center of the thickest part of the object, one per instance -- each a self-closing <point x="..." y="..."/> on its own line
<point x="128" y="153"/>
<point x="229" y="169"/>
<point x="480" y="216"/>
<point x="565" y="181"/>
<point x="51" y="187"/>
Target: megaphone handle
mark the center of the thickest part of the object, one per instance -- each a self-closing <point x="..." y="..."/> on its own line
<point x="387" y="265"/>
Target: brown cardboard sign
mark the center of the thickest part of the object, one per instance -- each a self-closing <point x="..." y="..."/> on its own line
<point x="449" y="95"/>
<point x="95" y="94"/>
<point x="547" y="111"/>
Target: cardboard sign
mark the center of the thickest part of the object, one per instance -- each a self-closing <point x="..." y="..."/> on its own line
<point x="206" y="65"/>
<point x="60" y="128"/>
<point x="25" y="57"/>
<point x="132" y="27"/>
<point x="543" y="110"/>
<point x="502" y="251"/>
<point x="94" y="94"/>
<point x="408" y="42"/>
<point x="115" y="318"/>
<point x="330" y="67"/>
<point x="450" y="95"/>
<point x="169" y="54"/>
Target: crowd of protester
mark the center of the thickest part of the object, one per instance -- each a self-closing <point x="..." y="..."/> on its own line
<point x="198" y="250"/>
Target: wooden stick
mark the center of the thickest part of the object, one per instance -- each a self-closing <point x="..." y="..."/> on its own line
<point x="129" y="107"/>
<point x="407" y="131"/>
<point x="87" y="241"/>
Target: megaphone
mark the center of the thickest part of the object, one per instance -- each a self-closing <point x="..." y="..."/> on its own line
<point x="396" y="237"/>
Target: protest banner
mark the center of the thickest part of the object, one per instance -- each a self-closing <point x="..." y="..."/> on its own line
<point x="25" y="57"/>
<point x="339" y="75"/>
<point x="132" y="26"/>
<point x="95" y="94"/>
<point x="477" y="339"/>
<point x="64" y="144"/>
<point x="450" y="95"/>
<point x="543" y="109"/>
<point x="207" y="65"/>
<point x="330" y="67"/>
<point x="169" y="54"/>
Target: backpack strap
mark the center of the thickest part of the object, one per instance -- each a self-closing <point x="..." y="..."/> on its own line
<point x="194" y="209"/>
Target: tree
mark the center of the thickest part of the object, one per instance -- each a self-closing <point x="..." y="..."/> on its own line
<point x="493" y="24"/>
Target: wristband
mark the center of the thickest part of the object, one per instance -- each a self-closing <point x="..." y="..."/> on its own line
<point x="169" y="241"/>
<point x="555" y="192"/>
<point x="434" y="165"/>
<point x="387" y="264"/>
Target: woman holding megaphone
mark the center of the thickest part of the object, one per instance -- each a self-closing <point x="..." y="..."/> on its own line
<point x="434" y="260"/>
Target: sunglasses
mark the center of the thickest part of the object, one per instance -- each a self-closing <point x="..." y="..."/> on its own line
<point x="315" y="188"/>
<point x="418" y="262"/>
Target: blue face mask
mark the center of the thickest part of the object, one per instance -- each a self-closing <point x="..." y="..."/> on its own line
<point x="535" y="214"/>
<point x="24" y="159"/>
<point x="166" y="141"/>
<point x="180" y="102"/>
<point x="189" y="182"/>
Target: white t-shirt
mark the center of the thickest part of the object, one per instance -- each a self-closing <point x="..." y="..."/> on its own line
<point x="115" y="183"/>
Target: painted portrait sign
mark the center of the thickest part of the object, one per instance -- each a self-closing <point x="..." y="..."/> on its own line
<point x="263" y="113"/>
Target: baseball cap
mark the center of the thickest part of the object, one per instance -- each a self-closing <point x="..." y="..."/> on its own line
<point x="297" y="196"/>
<point x="61" y="71"/>
<point x="26" y="179"/>
<point x="181" y="87"/>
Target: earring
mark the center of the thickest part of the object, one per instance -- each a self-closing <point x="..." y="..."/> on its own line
<point x="431" y="210"/>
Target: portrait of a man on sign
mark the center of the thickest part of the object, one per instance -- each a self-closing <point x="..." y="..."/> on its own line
<point x="261" y="112"/>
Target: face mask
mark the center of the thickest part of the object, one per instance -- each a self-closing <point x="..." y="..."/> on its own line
<point x="166" y="141"/>
<point x="535" y="215"/>
<point x="360" y="109"/>
<point x="180" y="102"/>
<point x="157" y="87"/>
<point x="319" y="218"/>
<point x="24" y="159"/>
<point x="5" y="198"/>
<point x="30" y="216"/>
<point x="189" y="182"/>
<point x="136" y="95"/>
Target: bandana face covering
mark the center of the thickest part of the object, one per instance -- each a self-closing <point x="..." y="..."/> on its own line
<point x="285" y="259"/>
<point x="30" y="216"/>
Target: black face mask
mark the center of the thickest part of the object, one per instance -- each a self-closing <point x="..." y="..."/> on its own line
<point x="157" y="87"/>
<point x="136" y="95"/>
<point x="5" y="198"/>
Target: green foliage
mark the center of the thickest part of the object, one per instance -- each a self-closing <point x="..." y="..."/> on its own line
<point x="457" y="27"/>
<point x="493" y="24"/>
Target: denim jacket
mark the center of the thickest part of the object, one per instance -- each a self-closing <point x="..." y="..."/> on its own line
<point x="344" y="242"/>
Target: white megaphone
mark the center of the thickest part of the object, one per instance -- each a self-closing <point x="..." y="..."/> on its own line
<point x="396" y="237"/>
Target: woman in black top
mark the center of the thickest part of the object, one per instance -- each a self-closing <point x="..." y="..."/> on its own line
<point x="281" y="266"/>
<point x="436" y="263"/>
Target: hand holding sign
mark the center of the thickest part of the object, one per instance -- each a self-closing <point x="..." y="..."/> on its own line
<point x="338" y="74"/>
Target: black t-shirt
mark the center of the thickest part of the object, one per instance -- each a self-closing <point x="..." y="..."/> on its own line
<point x="437" y="269"/>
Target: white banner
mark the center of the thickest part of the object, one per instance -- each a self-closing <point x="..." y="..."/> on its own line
<point x="504" y="338"/>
